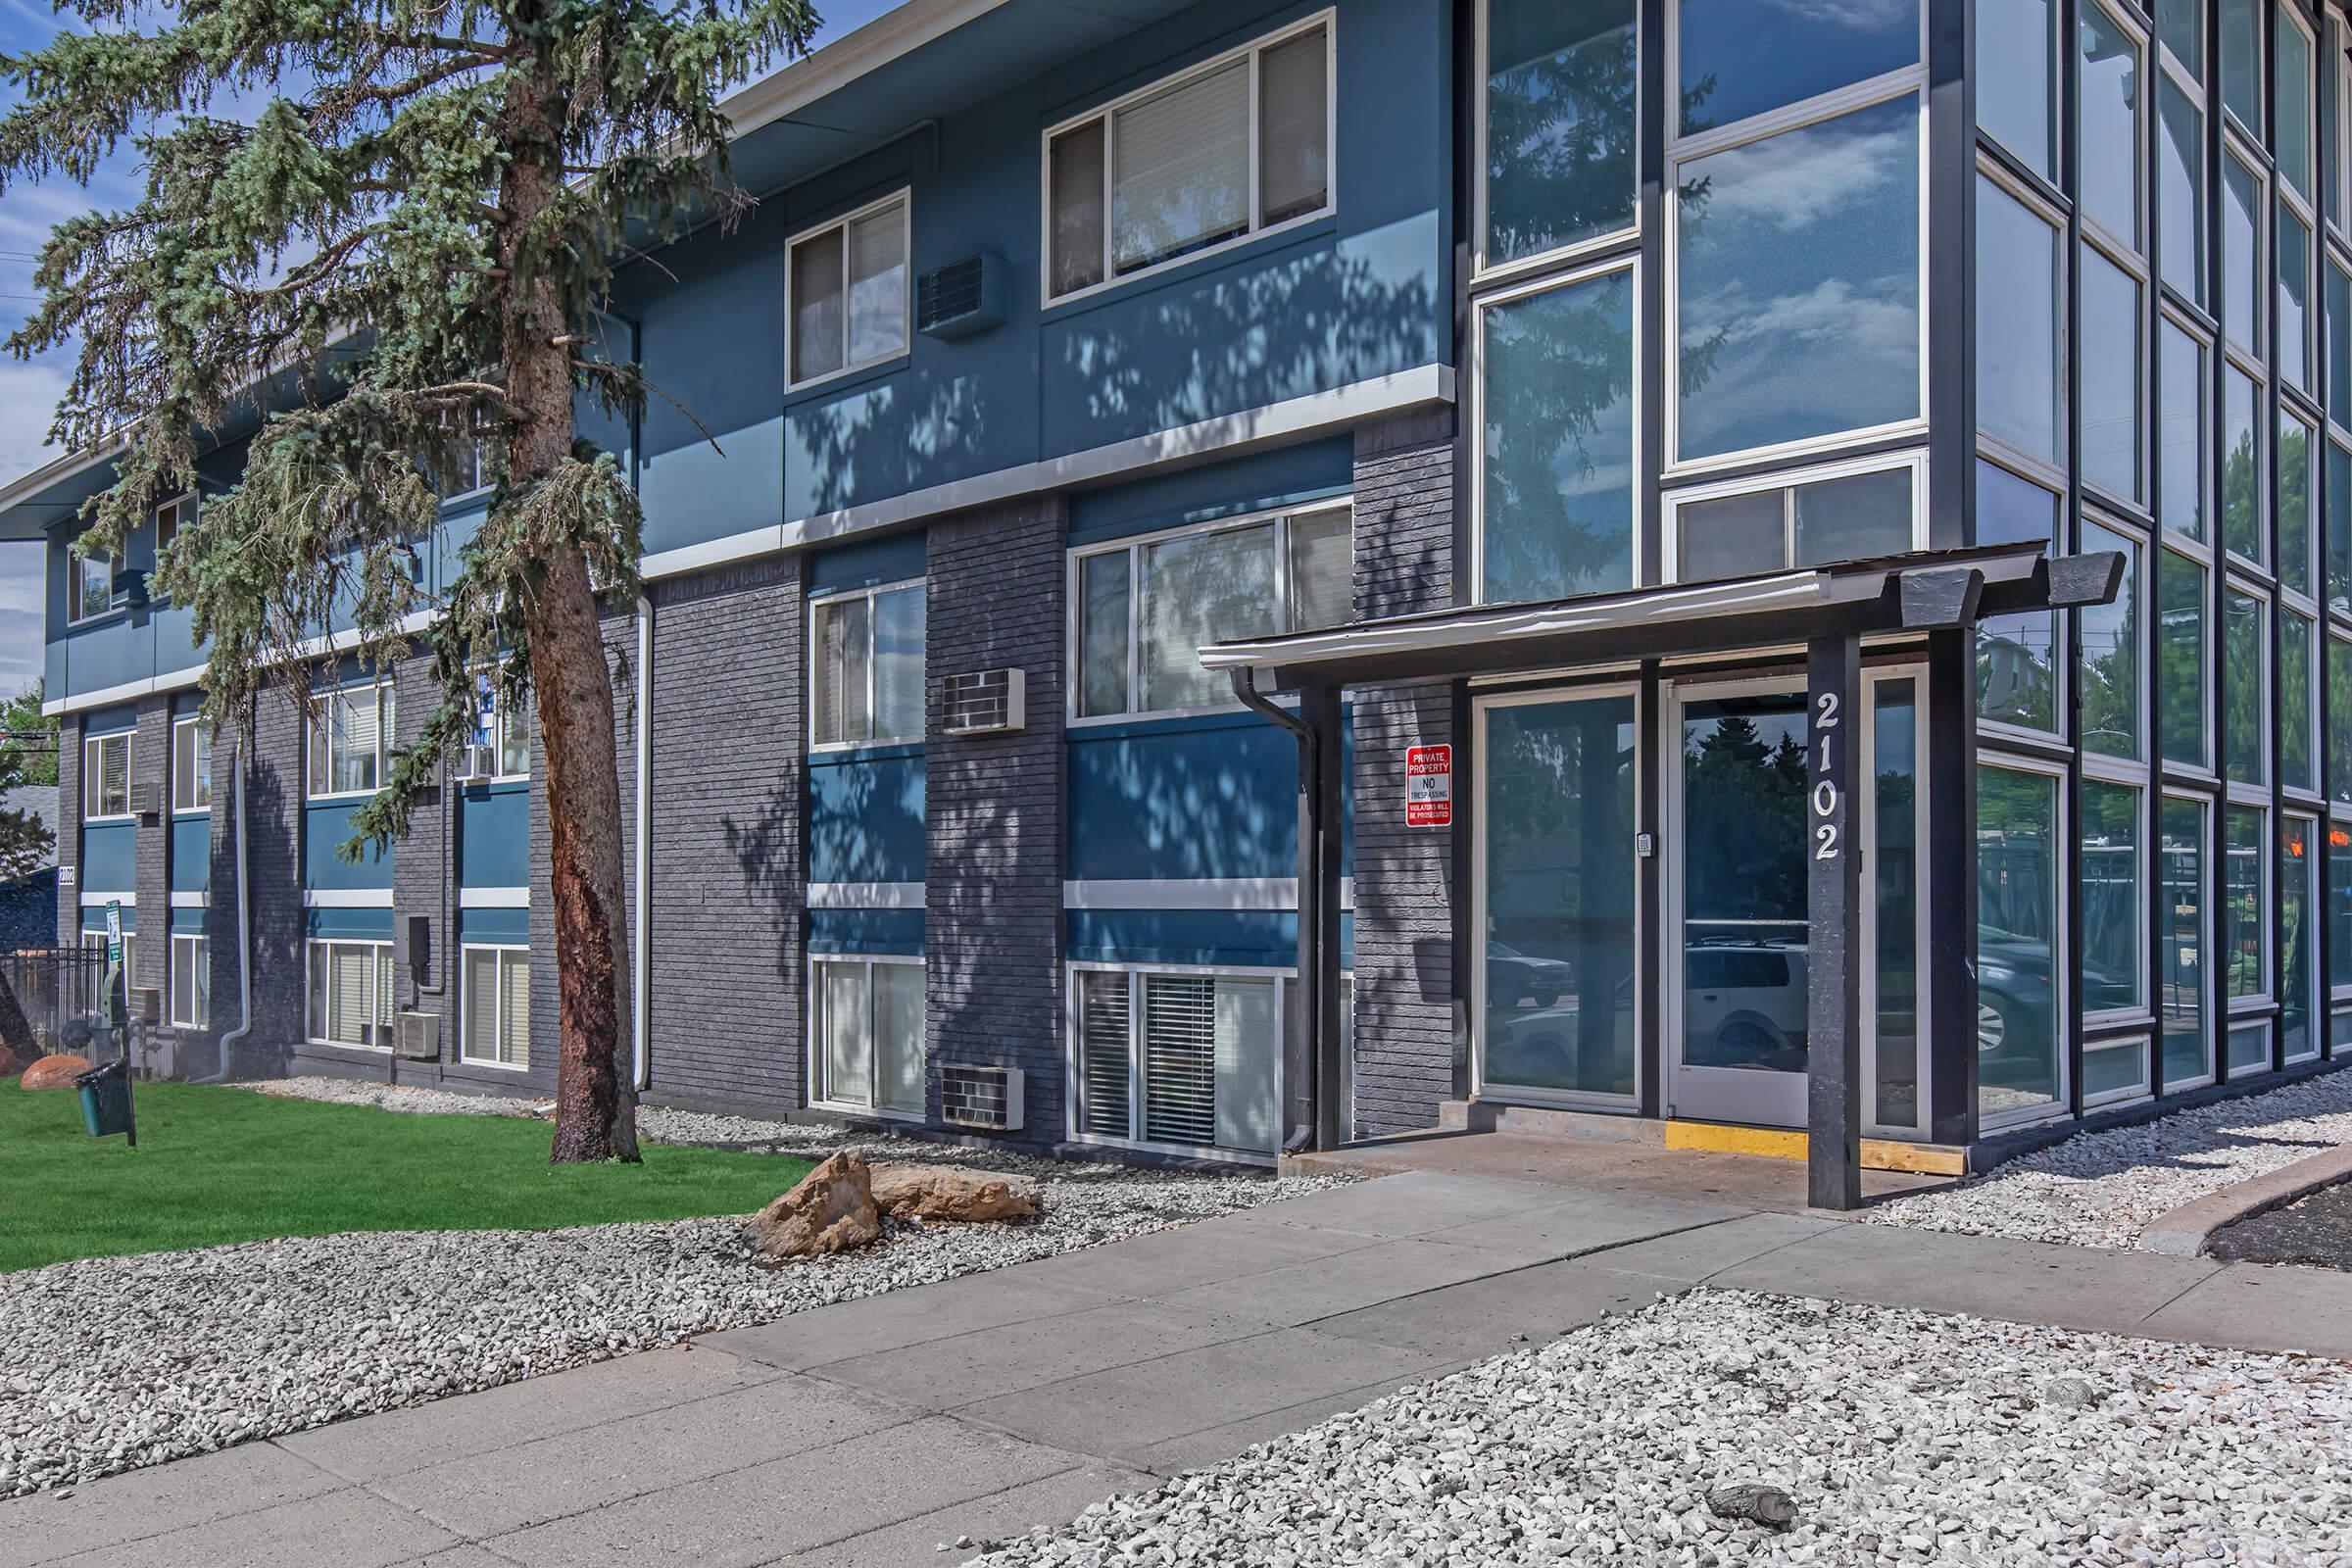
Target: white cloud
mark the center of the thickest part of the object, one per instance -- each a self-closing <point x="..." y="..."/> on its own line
<point x="1796" y="180"/>
<point x="29" y="395"/>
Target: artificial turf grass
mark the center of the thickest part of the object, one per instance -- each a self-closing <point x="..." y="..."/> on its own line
<point x="217" y="1165"/>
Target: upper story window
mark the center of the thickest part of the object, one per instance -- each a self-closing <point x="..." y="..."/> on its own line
<point x="1739" y="59"/>
<point x="106" y="776"/>
<point x="351" y="741"/>
<point x="1147" y="606"/>
<point x="89" y="586"/>
<point x="502" y="728"/>
<point x="171" y="518"/>
<point x="1235" y="146"/>
<point x="2017" y="80"/>
<point x="191" y="764"/>
<point x="1850" y="512"/>
<point x="846" y="283"/>
<point x="1561" y="124"/>
<point x="867" y="651"/>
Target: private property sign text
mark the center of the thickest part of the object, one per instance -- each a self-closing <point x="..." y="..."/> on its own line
<point x="1429" y="786"/>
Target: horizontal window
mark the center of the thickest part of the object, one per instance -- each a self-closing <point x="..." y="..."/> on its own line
<point x="191" y="981"/>
<point x="191" y="764"/>
<point x="868" y="649"/>
<point x="1739" y="59"/>
<point x="848" y="286"/>
<point x="1182" y="1059"/>
<point x="496" y="1011"/>
<point x="350" y="992"/>
<point x="1562" y="89"/>
<point x="1847" y="517"/>
<point x="351" y="740"/>
<point x="1236" y="145"/>
<point x="106" y="775"/>
<point x="89" y="586"/>
<point x="1146" y="608"/>
<point x="866" y="1035"/>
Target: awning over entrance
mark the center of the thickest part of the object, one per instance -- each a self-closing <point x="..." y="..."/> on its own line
<point x="1828" y="610"/>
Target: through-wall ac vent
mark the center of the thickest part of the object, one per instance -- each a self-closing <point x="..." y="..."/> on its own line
<point x="961" y="298"/>
<point x="417" y="1036"/>
<point x="985" y="702"/>
<point x="476" y="764"/>
<point x="147" y="800"/>
<point x="986" y="1098"/>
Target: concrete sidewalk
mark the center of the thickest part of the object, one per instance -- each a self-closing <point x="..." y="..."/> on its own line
<point x="873" y="1432"/>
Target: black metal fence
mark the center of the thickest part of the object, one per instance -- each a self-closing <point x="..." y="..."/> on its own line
<point x="49" y="999"/>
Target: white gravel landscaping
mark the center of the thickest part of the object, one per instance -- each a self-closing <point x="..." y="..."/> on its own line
<point x="2102" y="1188"/>
<point x="1900" y="1437"/>
<point x="110" y="1363"/>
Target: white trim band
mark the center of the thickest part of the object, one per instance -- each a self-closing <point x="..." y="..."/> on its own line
<point x="347" y="898"/>
<point x="190" y="901"/>
<point x="494" y="899"/>
<point x="101" y="899"/>
<point x="865" y="895"/>
<point x="1277" y="892"/>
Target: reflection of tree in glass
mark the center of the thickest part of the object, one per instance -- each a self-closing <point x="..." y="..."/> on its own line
<point x="2241" y="514"/>
<point x="2111" y="678"/>
<point x="2242" y="660"/>
<point x="1744" y="823"/>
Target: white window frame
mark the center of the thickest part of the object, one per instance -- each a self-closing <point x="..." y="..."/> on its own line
<point x="1787" y="481"/>
<point x="2144" y="1089"/>
<point x="2313" y="104"/>
<point x="319" y="741"/>
<point x="818" y="1098"/>
<point x="1072" y="1065"/>
<point x="1328" y="19"/>
<point x="2255" y="790"/>
<point x="77" y="569"/>
<point x="2172" y="70"/>
<point x="2137" y="774"/>
<point x="181" y="511"/>
<point x="2315" y="898"/>
<point x="379" y="1001"/>
<point x="2032" y="464"/>
<point x="93" y="748"/>
<point x="95" y="942"/>
<point x="2315" y="693"/>
<point x="2263" y="1001"/>
<point x="495" y="713"/>
<point x="195" y="951"/>
<point x="2142" y="117"/>
<point x="2135" y="780"/>
<point x="509" y="954"/>
<point x="903" y="199"/>
<point x="2254" y="357"/>
<point x="2211" y="1004"/>
<point x="816" y="659"/>
<point x="2264" y="1022"/>
<point x="1631" y="267"/>
<point x="1134" y="546"/>
<point x="192" y="780"/>
<point x="2064" y="835"/>
<point x="1911" y="81"/>
<point x="1484" y="271"/>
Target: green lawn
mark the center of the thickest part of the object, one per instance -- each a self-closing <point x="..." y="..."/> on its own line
<point x="219" y="1165"/>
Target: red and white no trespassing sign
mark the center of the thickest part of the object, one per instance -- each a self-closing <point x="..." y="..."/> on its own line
<point x="1429" y="786"/>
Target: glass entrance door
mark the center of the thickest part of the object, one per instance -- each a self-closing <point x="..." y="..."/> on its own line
<point x="1737" y="981"/>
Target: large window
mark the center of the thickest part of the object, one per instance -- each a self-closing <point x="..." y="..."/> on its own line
<point x="1186" y="1059"/>
<point x="1557" y="440"/>
<point x="2183" y="956"/>
<point x="868" y="681"/>
<point x="2180" y="661"/>
<point x="866" y="1035"/>
<point x="2017" y="80"/>
<point x="2111" y="655"/>
<point x="106" y="776"/>
<point x="351" y="741"/>
<point x="2021" y="340"/>
<point x="2110" y="72"/>
<point x="89" y="586"/>
<point x="2181" y="187"/>
<point x="2183" y="443"/>
<point x="1743" y="58"/>
<point x="1797" y="307"/>
<point x="1559" y="133"/>
<point x="2017" y="676"/>
<point x="497" y="1010"/>
<point x="2241" y="254"/>
<point x="2241" y="61"/>
<point x="2245" y="902"/>
<point x="2298" y="503"/>
<point x="502" y="728"/>
<point x="2245" y="688"/>
<point x="1238" y="145"/>
<point x="2021" y="1069"/>
<point x="2114" y="899"/>
<point x="191" y="764"/>
<point x="2298" y="939"/>
<point x="2109" y="302"/>
<point x="350" y="992"/>
<point x="848" y="286"/>
<point x="2242" y="497"/>
<point x="191" y="981"/>
<point x="1148" y="606"/>
<point x="1824" y="517"/>
<point x="2298" y="700"/>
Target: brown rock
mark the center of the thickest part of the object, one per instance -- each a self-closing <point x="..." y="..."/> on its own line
<point x="830" y="1210"/>
<point x="953" y="1194"/>
<point x="54" y="1072"/>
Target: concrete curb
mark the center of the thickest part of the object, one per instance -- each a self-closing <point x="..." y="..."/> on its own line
<point x="2185" y="1231"/>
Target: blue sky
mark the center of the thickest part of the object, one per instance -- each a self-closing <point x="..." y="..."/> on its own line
<point x="28" y="392"/>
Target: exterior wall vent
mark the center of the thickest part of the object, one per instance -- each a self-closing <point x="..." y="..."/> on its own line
<point x="985" y="702"/>
<point x="961" y="299"/>
<point x="418" y="1036"/>
<point x="477" y="764"/>
<point x="988" y="1099"/>
<point x="147" y="800"/>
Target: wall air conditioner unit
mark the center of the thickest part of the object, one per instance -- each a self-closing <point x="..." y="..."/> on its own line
<point x="147" y="800"/>
<point x="988" y="1099"/>
<point x="477" y="764"/>
<point x="961" y="299"/>
<point x="985" y="702"/>
<point x="417" y="1036"/>
<point x="144" y="1005"/>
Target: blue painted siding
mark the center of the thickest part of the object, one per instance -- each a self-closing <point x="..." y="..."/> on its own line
<point x="869" y="563"/>
<point x="1216" y="795"/>
<point x="110" y="857"/>
<point x="367" y="925"/>
<point x="190" y="922"/>
<point x="872" y="931"/>
<point x="93" y="917"/>
<point x="494" y="836"/>
<point x="507" y="926"/>
<point x="191" y="870"/>
<point x="865" y="816"/>
<point x="1192" y="936"/>
<point x="1259" y="482"/>
<point x="325" y="824"/>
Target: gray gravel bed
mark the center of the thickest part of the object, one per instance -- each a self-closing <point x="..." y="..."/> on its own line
<point x="110" y="1364"/>
<point x="2102" y="1188"/>
<point x="1902" y="1437"/>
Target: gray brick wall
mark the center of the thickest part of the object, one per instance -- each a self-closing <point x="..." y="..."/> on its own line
<point x="728" y="859"/>
<point x="993" y="805"/>
<point x="221" y="924"/>
<point x="68" y="828"/>
<point x="151" y="875"/>
<point x="274" y="817"/>
<point x="1408" y="1037"/>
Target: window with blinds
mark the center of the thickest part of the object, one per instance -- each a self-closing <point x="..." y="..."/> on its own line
<point x="868" y="680"/>
<point x="106" y="775"/>
<point x="1187" y="1060"/>
<point x="1236" y="145"/>
<point x="350" y="988"/>
<point x="191" y="981"/>
<point x="191" y="765"/>
<point x="497" y="1007"/>
<point x="848" y="292"/>
<point x="868" y="1035"/>
<point x="348" y="739"/>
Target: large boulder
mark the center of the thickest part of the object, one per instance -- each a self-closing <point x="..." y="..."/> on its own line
<point x="954" y="1195"/>
<point x="831" y="1210"/>
<point x="55" y="1072"/>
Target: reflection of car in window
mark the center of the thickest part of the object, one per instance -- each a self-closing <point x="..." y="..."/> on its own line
<point x="2016" y="1001"/>
<point x="1543" y="1045"/>
<point x="1513" y="977"/>
<point x="1745" y="1005"/>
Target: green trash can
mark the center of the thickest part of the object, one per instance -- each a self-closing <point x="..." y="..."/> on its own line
<point x="106" y="1099"/>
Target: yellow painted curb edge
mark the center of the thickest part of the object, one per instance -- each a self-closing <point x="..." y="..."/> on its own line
<point x="1778" y="1143"/>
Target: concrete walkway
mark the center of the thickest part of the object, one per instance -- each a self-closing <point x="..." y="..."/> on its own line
<point x="873" y="1432"/>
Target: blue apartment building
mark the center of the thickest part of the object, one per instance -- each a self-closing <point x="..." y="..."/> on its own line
<point x="1146" y="433"/>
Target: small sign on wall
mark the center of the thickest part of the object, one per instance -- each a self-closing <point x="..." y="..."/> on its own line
<point x="1429" y="786"/>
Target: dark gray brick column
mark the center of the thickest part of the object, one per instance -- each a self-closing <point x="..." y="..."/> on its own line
<point x="274" y="817"/>
<point x="151" y="872"/>
<point x="730" y="861"/>
<point x="993" y="805"/>
<point x="421" y="884"/>
<point x="1408" y="1033"/>
<point x="221" y="918"/>
<point x="68" y="828"/>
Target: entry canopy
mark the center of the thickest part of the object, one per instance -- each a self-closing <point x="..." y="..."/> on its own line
<point x="1921" y="591"/>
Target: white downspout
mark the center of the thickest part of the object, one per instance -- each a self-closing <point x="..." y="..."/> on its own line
<point x="641" y="936"/>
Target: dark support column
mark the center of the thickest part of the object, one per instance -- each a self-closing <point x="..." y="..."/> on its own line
<point x="1948" y="1065"/>
<point x="1316" y="1060"/>
<point x="1834" y="953"/>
